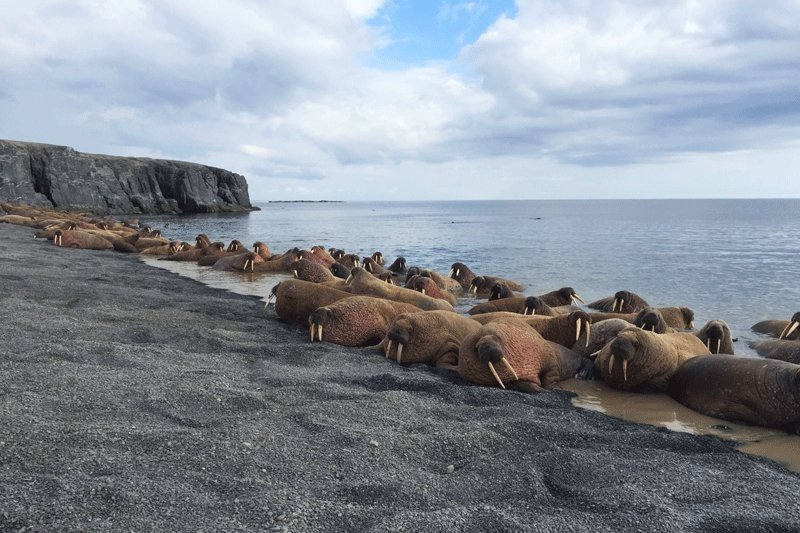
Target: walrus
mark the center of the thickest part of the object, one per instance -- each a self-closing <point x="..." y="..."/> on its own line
<point x="398" y="266"/>
<point x="372" y="266"/>
<point x="377" y="257"/>
<point x="783" y="329"/>
<point x="340" y="271"/>
<point x="444" y="282"/>
<point x="389" y="277"/>
<point x="643" y="361"/>
<point x="238" y="263"/>
<point x="336" y="253"/>
<point x="513" y="355"/>
<point x="165" y="249"/>
<point x="500" y="291"/>
<point x="762" y="392"/>
<point x="462" y="274"/>
<point x="680" y="318"/>
<point x="50" y="230"/>
<point x="563" y="329"/>
<point x="600" y="334"/>
<point x="521" y="305"/>
<point x="322" y="254"/>
<point x="716" y="335"/>
<point x="202" y="247"/>
<point x="651" y="319"/>
<point x="80" y="239"/>
<point x="621" y="302"/>
<point x="312" y="271"/>
<point x="362" y="282"/>
<point x="482" y="285"/>
<point x="280" y="263"/>
<point x="559" y="297"/>
<point x="296" y="299"/>
<point x="356" y="321"/>
<point x="19" y="220"/>
<point x="429" y="287"/>
<point x="234" y="248"/>
<point x="349" y="260"/>
<point x="780" y="349"/>
<point x="261" y="248"/>
<point x="432" y="337"/>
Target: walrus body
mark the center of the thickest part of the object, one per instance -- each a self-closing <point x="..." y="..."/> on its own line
<point x="356" y="321"/>
<point x="512" y="354"/>
<point x="621" y="302"/>
<point x="559" y="297"/>
<point x="432" y="337"/>
<point x="783" y="329"/>
<point x="238" y="263"/>
<point x="81" y="239"/>
<point x="643" y="361"/>
<point x="779" y="349"/>
<point x="362" y="282"/>
<point x="756" y="391"/>
<point x="313" y="271"/>
<point x="296" y="299"/>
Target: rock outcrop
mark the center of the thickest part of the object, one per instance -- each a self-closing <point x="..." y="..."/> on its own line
<point x="60" y="177"/>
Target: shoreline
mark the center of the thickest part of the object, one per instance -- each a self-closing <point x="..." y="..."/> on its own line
<point x="134" y="398"/>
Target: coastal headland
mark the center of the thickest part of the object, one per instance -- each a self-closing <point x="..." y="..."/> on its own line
<point x="135" y="399"/>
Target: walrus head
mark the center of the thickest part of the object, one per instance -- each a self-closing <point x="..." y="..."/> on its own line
<point x="351" y="260"/>
<point x="414" y="271"/>
<point x="569" y="294"/>
<point x="627" y="302"/>
<point x="174" y="247"/>
<point x="476" y="284"/>
<point x="378" y="258"/>
<point x="623" y="348"/>
<point x="423" y="284"/>
<point x="370" y="265"/>
<point x="716" y="333"/>
<point x="356" y="272"/>
<point x="490" y="351"/>
<point x="499" y="291"/>
<point x="336" y="253"/>
<point x="398" y="266"/>
<point x="58" y="238"/>
<point x="261" y="248"/>
<point x="339" y="270"/>
<point x="202" y="241"/>
<point x="235" y="246"/>
<point x="688" y="317"/>
<point x="216" y="247"/>
<point x="534" y="305"/>
<point x="650" y="319"/>
<point x="249" y="262"/>
<point x="791" y="330"/>
<point x="317" y="320"/>
<point x="580" y="321"/>
<point x="400" y="333"/>
<point x="387" y="277"/>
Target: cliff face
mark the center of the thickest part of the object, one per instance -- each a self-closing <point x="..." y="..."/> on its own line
<point x="58" y="176"/>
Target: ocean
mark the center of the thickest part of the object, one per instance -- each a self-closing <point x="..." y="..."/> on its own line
<point x="734" y="260"/>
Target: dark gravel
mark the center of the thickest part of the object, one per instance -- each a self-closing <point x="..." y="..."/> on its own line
<point x="133" y="399"/>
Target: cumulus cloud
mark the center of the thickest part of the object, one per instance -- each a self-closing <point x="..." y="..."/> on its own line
<point x="292" y="93"/>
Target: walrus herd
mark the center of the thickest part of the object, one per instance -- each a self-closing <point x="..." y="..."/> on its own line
<point x="516" y="341"/>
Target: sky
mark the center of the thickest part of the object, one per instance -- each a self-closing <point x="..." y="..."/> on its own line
<point x="421" y="99"/>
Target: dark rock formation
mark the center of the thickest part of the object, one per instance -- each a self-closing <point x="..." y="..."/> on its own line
<point x="58" y="176"/>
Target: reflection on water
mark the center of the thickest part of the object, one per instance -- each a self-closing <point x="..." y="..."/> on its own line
<point x="662" y="411"/>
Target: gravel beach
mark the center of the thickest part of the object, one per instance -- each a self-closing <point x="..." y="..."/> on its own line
<point x="132" y="399"/>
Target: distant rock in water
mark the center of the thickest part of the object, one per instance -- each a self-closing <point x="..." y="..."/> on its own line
<point x="58" y="176"/>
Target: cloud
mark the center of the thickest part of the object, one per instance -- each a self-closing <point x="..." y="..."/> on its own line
<point x="296" y="92"/>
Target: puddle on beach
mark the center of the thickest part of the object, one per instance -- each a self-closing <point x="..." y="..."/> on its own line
<point x="654" y="409"/>
<point x="662" y="411"/>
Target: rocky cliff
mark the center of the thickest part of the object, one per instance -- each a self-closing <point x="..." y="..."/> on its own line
<point x="58" y="176"/>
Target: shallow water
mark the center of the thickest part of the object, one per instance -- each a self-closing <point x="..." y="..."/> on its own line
<point x="727" y="259"/>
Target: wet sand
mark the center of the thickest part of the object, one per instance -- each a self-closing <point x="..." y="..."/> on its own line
<point x="135" y="399"/>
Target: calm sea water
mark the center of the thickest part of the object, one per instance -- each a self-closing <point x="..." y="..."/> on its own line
<point x="731" y="259"/>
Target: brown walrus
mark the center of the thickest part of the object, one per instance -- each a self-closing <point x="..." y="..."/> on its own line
<point x="234" y="248"/>
<point x="238" y="263"/>
<point x="432" y="337"/>
<point x="621" y="302"/>
<point x="202" y="247"/>
<point x="165" y="249"/>
<point x="362" y="282"/>
<point x="80" y="239"/>
<point x="373" y="267"/>
<point x="313" y="271"/>
<point x="600" y="334"/>
<point x="340" y="271"/>
<point x="322" y="255"/>
<point x="377" y="257"/>
<point x="559" y="297"/>
<point x="444" y="282"/>
<point x="716" y="335"/>
<point x="756" y="391"/>
<point x="462" y="274"/>
<point x="530" y="305"/>
<point x="783" y="329"/>
<point x="643" y="361"/>
<point x="781" y="349"/>
<point x="356" y="321"/>
<point x="482" y="285"/>
<point x="398" y="266"/>
<point x="675" y="317"/>
<point x="277" y="263"/>
<point x="143" y="243"/>
<point x="512" y="354"/>
<point x="429" y="287"/>
<point x="349" y="260"/>
<point x="262" y="250"/>
<point x="296" y="299"/>
<point x="563" y="329"/>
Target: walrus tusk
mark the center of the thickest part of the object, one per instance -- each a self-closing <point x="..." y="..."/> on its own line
<point x="252" y="265"/>
<point x="312" y="329"/>
<point x="719" y="341"/>
<point x="474" y="289"/>
<point x="450" y="274"/>
<point x="319" y="333"/>
<point x="422" y="291"/>
<point x="458" y="271"/>
<point x="789" y="329"/>
<point x="358" y="263"/>
<point x="611" y="364"/>
<point x="614" y="307"/>
<point x="708" y="343"/>
<point x="578" y="326"/>
<point x="525" y="311"/>
<point x="388" y="348"/>
<point x="399" y="352"/>
<point x="348" y="280"/>
<point x="368" y="267"/>
<point x="494" y="373"/>
<point x="511" y="368"/>
<point x="625" y="370"/>
<point x="595" y="354"/>
<point x="577" y="297"/>
<point x="295" y="273"/>
<point x="691" y="324"/>
<point x="588" y="332"/>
